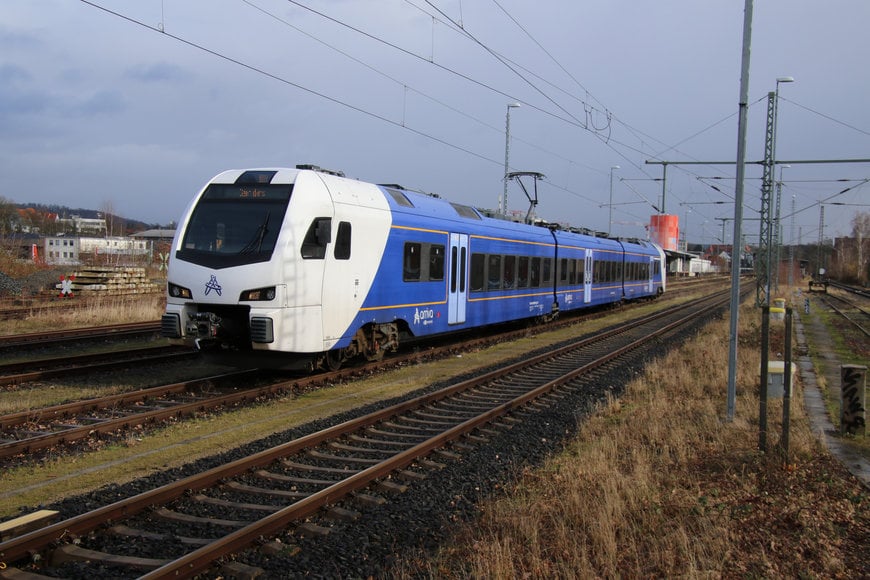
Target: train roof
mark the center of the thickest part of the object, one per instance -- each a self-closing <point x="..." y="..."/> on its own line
<point x="413" y="202"/>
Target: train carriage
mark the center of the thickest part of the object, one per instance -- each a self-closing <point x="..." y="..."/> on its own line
<point x="308" y="262"/>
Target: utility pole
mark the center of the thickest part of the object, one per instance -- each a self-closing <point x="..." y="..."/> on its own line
<point x="743" y="106"/>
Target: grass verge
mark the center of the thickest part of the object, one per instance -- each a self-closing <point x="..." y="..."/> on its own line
<point x="657" y="484"/>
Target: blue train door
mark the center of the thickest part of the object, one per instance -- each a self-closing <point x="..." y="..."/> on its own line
<point x="457" y="285"/>
<point x="587" y="276"/>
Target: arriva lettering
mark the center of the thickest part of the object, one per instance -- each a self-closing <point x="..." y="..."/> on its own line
<point x="425" y="316"/>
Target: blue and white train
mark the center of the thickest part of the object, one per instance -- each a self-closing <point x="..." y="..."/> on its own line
<point x="306" y="261"/>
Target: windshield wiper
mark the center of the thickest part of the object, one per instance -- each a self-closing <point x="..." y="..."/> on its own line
<point x="255" y="244"/>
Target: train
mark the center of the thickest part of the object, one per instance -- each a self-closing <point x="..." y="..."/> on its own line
<point x="308" y="263"/>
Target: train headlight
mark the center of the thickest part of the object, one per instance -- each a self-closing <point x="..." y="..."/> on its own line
<point x="177" y="291"/>
<point x="258" y="295"/>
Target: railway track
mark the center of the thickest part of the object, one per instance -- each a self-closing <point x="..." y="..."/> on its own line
<point x="186" y="527"/>
<point x="863" y="292"/>
<point x="852" y="313"/>
<point x="54" y="338"/>
<point x="34" y="370"/>
<point x="28" y="432"/>
<point x="47" y="427"/>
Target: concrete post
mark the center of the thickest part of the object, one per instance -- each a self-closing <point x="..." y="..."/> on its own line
<point x="853" y="399"/>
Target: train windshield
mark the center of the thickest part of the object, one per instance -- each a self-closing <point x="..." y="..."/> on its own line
<point x="235" y="224"/>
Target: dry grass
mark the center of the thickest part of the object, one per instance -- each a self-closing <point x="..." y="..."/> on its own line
<point x="658" y="485"/>
<point x="96" y="311"/>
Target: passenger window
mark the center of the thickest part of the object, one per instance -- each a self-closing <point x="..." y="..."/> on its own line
<point x="510" y="272"/>
<point x="477" y="278"/>
<point x="493" y="272"/>
<point x="436" y="262"/>
<point x="342" y="242"/>
<point x="523" y="272"/>
<point x="536" y="273"/>
<point x="317" y="237"/>
<point x="411" y="267"/>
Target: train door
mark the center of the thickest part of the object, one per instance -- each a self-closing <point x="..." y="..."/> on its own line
<point x="457" y="289"/>
<point x="652" y="275"/>
<point x="587" y="276"/>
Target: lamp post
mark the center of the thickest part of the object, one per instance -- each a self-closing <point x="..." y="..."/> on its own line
<point x="507" y="149"/>
<point x="610" y="204"/>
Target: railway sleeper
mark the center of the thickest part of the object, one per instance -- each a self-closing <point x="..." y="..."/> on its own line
<point x="241" y="487"/>
<point x="316" y="468"/>
<point x="235" y="505"/>
<point x="368" y="500"/>
<point x="311" y="530"/>
<point x="386" y="453"/>
<point x="339" y="459"/>
<point x="411" y="475"/>
<point x="342" y="514"/>
<point x="128" y="532"/>
<point x="388" y="486"/>
<point x="174" y="516"/>
<point x="370" y="441"/>
<point x="72" y="553"/>
<point x="240" y="571"/>
<point x="294" y="479"/>
<point x="447" y="454"/>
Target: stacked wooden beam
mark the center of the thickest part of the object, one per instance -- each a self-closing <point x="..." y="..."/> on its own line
<point x="108" y="281"/>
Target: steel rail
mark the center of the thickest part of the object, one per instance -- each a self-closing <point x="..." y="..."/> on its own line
<point x="112" y="330"/>
<point x="65" y="366"/>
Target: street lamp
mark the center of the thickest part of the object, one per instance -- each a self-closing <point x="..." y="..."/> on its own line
<point x="610" y="204"/>
<point x="507" y="149"/>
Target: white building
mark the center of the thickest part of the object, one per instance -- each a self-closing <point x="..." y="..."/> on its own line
<point x="69" y="251"/>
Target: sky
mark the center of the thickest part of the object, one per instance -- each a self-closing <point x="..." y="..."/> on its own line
<point x="134" y="106"/>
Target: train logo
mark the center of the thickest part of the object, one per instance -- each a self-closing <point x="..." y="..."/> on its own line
<point x="212" y="284"/>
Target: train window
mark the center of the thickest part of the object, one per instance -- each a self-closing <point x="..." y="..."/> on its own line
<point x="342" y="242"/>
<point x="510" y="272"/>
<point x="478" y="262"/>
<point x="317" y="237"/>
<point x="572" y="271"/>
<point x="535" y="275"/>
<point x="463" y="256"/>
<point x="493" y="272"/>
<point x="581" y="268"/>
<point x="546" y="270"/>
<point x="563" y="270"/>
<point x="411" y="262"/>
<point x="453" y="265"/>
<point x="523" y="272"/>
<point x="436" y="262"/>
